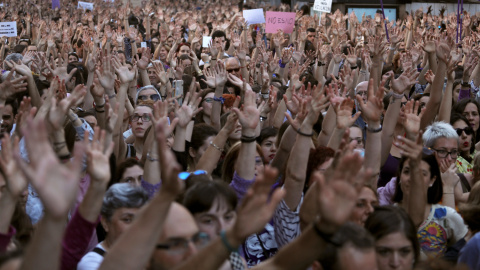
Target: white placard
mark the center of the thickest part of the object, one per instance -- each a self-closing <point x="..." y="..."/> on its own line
<point x="8" y="29"/>
<point x="323" y="5"/>
<point x="206" y="41"/>
<point x="143" y="44"/>
<point x="1" y="4"/>
<point x="254" y="16"/>
<point x="85" y="5"/>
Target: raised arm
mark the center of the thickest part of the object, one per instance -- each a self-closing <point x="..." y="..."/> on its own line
<point x="134" y="247"/>
<point x="443" y="52"/>
<point x="298" y="160"/>
<point x="249" y="118"/>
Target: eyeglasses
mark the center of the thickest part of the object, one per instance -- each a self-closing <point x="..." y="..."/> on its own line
<point x="180" y="245"/>
<point x="144" y="117"/>
<point x="467" y="130"/>
<point x="208" y="100"/>
<point x="185" y="175"/>
<point x="362" y="94"/>
<point x="445" y="153"/>
<point x="233" y="69"/>
<point x="154" y="97"/>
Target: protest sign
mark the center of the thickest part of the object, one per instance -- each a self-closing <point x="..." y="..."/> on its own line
<point x="85" y="5"/>
<point x="280" y="20"/>
<point x="8" y="29"/>
<point x="206" y="41"/>
<point x="254" y="16"/>
<point x="323" y="5"/>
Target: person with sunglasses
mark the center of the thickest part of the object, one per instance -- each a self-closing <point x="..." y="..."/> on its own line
<point x="466" y="145"/>
<point x="148" y="92"/>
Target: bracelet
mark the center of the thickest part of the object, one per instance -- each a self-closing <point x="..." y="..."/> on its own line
<point x="221" y="99"/>
<point x="149" y="157"/>
<point x="325" y="236"/>
<point x="99" y="111"/>
<point x="226" y="243"/>
<point x="65" y="157"/>
<point x="280" y="63"/>
<point x="263" y="118"/>
<point x="363" y="71"/>
<point x="373" y="130"/>
<point x="355" y="67"/>
<point x="112" y="96"/>
<point x="397" y="96"/>
<point x="213" y="59"/>
<point x="246" y="139"/>
<point x="99" y="106"/>
<point x="304" y="134"/>
<point x="216" y="146"/>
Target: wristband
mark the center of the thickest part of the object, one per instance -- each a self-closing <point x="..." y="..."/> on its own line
<point x="280" y="64"/>
<point x="225" y="242"/>
<point x="221" y="99"/>
<point x="149" y="157"/>
<point x="246" y="139"/>
<point x="99" y="111"/>
<point x="304" y="134"/>
<point x="65" y="157"/>
<point x="326" y="236"/>
<point x="355" y="67"/>
<point x="263" y="118"/>
<point x="373" y="130"/>
<point x="112" y="96"/>
<point x="99" y="106"/>
<point x="397" y="96"/>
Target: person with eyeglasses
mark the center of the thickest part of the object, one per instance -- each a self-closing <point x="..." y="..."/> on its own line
<point x="140" y="121"/>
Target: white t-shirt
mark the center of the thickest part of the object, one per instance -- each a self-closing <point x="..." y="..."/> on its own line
<point x="92" y="260"/>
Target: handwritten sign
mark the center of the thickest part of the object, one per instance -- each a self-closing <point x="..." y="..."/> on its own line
<point x="8" y="29"/>
<point x="254" y="16"/>
<point x="85" y="5"/>
<point x="206" y="41"/>
<point x="280" y="20"/>
<point x="323" y="5"/>
<point x="55" y="4"/>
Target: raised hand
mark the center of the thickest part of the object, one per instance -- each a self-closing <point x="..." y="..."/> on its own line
<point x="210" y="75"/>
<point x="250" y="116"/>
<point x="58" y="110"/>
<point x="221" y="75"/>
<point x="372" y="110"/>
<point x="411" y="120"/>
<point x="405" y="81"/>
<point x="55" y="183"/>
<point x="343" y="112"/>
<point x="10" y="87"/>
<point x="189" y="108"/>
<point x="142" y="63"/>
<point x="61" y="69"/>
<point x="98" y="157"/>
<point x="105" y="73"/>
<point x="124" y="74"/>
<point x="337" y="195"/>
<point x="16" y="181"/>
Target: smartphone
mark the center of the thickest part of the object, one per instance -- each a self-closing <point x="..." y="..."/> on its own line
<point x="178" y="86"/>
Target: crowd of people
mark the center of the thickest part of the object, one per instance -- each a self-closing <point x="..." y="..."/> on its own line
<point x="129" y="143"/>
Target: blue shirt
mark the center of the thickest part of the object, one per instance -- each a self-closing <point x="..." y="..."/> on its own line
<point x="470" y="253"/>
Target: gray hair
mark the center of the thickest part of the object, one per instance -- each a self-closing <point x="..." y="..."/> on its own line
<point x="436" y="131"/>
<point x="145" y="88"/>
<point x="122" y="195"/>
<point x="15" y="57"/>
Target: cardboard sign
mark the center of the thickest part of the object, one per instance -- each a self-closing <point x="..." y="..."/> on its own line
<point x="85" y="5"/>
<point x="323" y="5"/>
<point x="254" y="16"/>
<point x="55" y="4"/>
<point x="280" y="20"/>
<point x="206" y="41"/>
<point x="8" y="29"/>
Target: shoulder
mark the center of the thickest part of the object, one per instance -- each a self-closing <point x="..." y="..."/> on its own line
<point x="91" y="260"/>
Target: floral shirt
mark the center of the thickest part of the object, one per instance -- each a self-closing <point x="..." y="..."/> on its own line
<point x="463" y="165"/>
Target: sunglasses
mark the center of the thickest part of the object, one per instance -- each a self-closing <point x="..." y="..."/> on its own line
<point x="233" y="69"/>
<point x="467" y="130"/>
<point x="185" y="175"/>
<point x="154" y="97"/>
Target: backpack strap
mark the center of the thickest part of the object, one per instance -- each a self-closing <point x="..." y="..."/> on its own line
<point x="99" y="251"/>
<point x="465" y="185"/>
